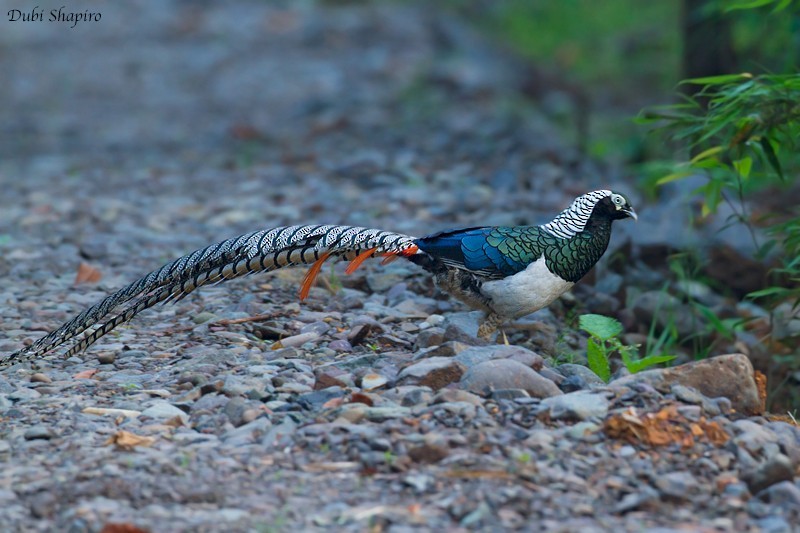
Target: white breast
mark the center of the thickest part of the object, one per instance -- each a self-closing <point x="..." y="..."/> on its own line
<point x="528" y="291"/>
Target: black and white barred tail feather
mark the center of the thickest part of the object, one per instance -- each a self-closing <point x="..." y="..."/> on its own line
<point x="259" y="251"/>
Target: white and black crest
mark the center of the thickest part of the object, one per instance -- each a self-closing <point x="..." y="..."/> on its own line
<point x="573" y="219"/>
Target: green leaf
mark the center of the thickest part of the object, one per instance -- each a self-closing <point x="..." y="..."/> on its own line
<point x="717" y="80"/>
<point x="705" y="154"/>
<point x="598" y="360"/>
<point x="602" y="327"/>
<point x="675" y="176"/>
<point x="769" y="291"/>
<point x="743" y="166"/>
<point x="749" y="4"/>
<point x="637" y="365"/>
<point x="766" y="144"/>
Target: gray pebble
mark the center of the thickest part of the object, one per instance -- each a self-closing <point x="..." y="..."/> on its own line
<point x="579" y="405"/>
<point x="774" y="470"/>
<point x="164" y="410"/>
<point x="39" y="433"/>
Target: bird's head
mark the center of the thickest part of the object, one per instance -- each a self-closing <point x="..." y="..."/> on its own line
<point x="616" y="206"/>
<point x="597" y="206"/>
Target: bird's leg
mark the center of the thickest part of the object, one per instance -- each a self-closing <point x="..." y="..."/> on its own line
<point x="489" y="325"/>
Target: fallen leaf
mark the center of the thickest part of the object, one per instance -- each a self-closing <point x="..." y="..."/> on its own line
<point x="85" y="374"/>
<point x="761" y="385"/>
<point x="128" y="441"/>
<point x="664" y="427"/>
<point x="121" y="527"/>
<point x="87" y="274"/>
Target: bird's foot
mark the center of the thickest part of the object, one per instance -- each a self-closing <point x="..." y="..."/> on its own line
<point x="503" y="336"/>
<point x="489" y="326"/>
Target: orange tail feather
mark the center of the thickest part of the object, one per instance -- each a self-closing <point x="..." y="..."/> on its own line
<point x="388" y="257"/>
<point x="359" y="259"/>
<point x="311" y="275"/>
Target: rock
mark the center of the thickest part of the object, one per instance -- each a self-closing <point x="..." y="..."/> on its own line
<point x="711" y="406"/>
<point x="164" y="410"/>
<point x="479" y="354"/>
<point x="456" y="395"/>
<point x="464" y="323"/>
<point x="447" y="349"/>
<point x="753" y="437"/>
<point x="774" y="470"/>
<point x="433" y="372"/>
<point x="340" y="345"/>
<point x="106" y="358"/>
<point x="381" y="414"/>
<point x="331" y="377"/>
<point x="569" y="370"/>
<point x="509" y="394"/>
<point x="295" y="340"/>
<point x="784" y="494"/>
<point x="373" y="381"/>
<point x="729" y="375"/>
<point x="39" y="433"/>
<point x="488" y="376"/>
<point x="416" y="396"/>
<point x="788" y="439"/>
<point x="313" y="401"/>
<point x="644" y="497"/>
<point x="426" y="338"/>
<point x="419" y="482"/>
<point x="585" y="431"/>
<point x="676" y="486"/>
<point x="579" y="405"/>
<point x="550" y="374"/>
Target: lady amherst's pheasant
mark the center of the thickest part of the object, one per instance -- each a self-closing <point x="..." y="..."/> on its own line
<point x="507" y="272"/>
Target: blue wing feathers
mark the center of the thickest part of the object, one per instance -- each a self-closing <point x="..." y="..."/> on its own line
<point x="470" y="249"/>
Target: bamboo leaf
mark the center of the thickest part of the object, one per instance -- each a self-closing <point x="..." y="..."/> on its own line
<point x="705" y="154"/>
<point x="766" y="145"/>
<point x="718" y="80"/>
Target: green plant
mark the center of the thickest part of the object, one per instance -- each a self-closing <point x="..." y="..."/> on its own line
<point x="604" y="340"/>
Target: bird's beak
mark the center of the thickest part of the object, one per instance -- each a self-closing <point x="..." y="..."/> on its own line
<point x="631" y="213"/>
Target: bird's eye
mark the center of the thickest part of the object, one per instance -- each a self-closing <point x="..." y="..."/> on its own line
<point x="617" y="199"/>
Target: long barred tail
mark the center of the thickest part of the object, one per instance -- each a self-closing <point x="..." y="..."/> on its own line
<point x="259" y="251"/>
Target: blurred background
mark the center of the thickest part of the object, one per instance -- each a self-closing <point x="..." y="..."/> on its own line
<point x="173" y="123"/>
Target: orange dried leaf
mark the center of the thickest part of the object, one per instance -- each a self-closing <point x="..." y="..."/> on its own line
<point x="85" y="374"/>
<point x="87" y="274"/>
<point x="122" y="527"/>
<point x="761" y="385"/>
<point x="128" y="441"/>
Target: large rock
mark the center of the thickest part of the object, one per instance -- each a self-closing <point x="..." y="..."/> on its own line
<point x="488" y="376"/>
<point x="730" y="376"/>
<point x="433" y="372"/>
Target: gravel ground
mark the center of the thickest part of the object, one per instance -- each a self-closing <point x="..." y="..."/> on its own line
<point x="371" y="406"/>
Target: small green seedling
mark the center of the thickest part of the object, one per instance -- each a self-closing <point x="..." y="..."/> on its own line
<point x="604" y="340"/>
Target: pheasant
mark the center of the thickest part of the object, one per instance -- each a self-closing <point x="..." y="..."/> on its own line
<point x="507" y="272"/>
